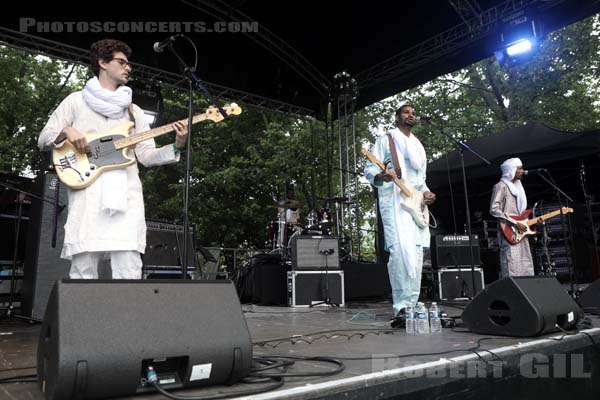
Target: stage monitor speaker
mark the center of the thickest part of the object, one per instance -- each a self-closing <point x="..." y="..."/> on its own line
<point x="452" y="251"/>
<point x="315" y="253"/>
<point x="43" y="265"/>
<point x="523" y="306"/>
<point x="590" y="297"/>
<point x="100" y="336"/>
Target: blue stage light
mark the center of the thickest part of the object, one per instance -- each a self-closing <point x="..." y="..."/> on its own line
<point x="519" y="47"/>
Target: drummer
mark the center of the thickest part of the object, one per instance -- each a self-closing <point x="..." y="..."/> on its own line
<point x="292" y="213"/>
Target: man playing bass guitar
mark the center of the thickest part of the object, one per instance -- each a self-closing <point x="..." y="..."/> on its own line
<point x="107" y="217"/>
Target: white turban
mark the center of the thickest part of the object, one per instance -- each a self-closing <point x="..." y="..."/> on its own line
<point x="509" y="169"/>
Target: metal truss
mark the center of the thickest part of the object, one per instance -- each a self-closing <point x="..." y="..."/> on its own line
<point x="476" y="26"/>
<point x="267" y="39"/>
<point x="144" y="73"/>
<point x="467" y="10"/>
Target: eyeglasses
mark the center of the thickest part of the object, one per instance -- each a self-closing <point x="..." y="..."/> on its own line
<point x="124" y="63"/>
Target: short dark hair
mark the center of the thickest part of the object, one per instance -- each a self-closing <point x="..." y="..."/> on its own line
<point x="399" y="111"/>
<point x="104" y="50"/>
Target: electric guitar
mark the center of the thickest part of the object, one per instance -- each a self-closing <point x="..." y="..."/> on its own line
<point x="413" y="199"/>
<point x="108" y="150"/>
<point x="514" y="236"/>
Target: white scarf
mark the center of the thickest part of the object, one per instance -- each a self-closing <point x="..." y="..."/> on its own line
<point x="410" y="148"/>
<point x="410" y="151"/>
<point x="509" y="168"/>
<point x="113" y="105"/>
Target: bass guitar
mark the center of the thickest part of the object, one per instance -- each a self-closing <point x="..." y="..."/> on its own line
<point x="413" y="199"/>
<point x="514" y="236"/>
<point x="109" y="150"/>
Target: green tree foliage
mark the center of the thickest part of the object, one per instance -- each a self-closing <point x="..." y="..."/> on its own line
<point x="31" y="86"/>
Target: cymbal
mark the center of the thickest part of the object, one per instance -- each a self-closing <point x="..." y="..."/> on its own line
<point x="286" y="203"/>
<point x="336" y="200"/>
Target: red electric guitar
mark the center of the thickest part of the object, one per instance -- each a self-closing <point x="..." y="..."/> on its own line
<point x="514" y="236"/>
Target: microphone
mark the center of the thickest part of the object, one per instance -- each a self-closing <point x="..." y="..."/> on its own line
<point x="326" y="251"/>
<point x="424" y="119"/>
<point x="534" y="171"/>
<point x="159" y="47"/>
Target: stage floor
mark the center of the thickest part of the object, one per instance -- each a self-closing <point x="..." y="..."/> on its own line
<point x="379" y="362"/>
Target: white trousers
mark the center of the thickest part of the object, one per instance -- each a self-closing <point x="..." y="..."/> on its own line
<point x="405" y="290"/>
<point x="124" y="265"/>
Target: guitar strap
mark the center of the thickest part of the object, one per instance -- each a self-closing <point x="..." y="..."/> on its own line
<point x="394" y="156"/>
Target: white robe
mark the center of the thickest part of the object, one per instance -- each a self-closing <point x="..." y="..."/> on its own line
<point x="88" y="227"/>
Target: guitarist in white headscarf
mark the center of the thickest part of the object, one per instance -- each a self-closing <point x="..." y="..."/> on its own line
<point x="509" y="198"/>
<point x="404" y="239"/>
<point x="107" y="217"/>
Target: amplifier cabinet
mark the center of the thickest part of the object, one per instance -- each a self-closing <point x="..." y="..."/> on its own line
<point x="306" y="288"/>
<point x="452" y="251"/>
<point x="456" y="283"/>
<point x="315" y="253"/>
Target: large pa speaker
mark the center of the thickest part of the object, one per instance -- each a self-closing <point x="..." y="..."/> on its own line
<point x="590" y="298"/>
<point x="452" y="251"/>
<point x="522" y="306"/>
<point x="100" y="336"/>
<point x="43" y="265"/>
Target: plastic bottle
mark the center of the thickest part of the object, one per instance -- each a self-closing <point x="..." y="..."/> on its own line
<point x="434" y="318"/>
<point x="410" y="321"/>
<point x="422" y="320"/>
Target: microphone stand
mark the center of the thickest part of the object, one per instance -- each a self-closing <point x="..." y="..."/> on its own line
<point x="193" y="81"/>
<point x="462" y="146"/>
<point x="545" y="267"/>
<point x="562" y="219"/>
<point x="588" y="207"/>
<point x="327" y="299"/>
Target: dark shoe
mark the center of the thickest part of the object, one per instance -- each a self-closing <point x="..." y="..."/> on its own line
<point x="399" y="321"/>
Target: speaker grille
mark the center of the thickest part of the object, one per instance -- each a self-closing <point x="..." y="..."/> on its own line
<point x="43" y="265"/>
<point x="308" y="253"/>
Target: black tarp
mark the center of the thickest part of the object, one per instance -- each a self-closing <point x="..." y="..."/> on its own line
<point x="537" y="145"/>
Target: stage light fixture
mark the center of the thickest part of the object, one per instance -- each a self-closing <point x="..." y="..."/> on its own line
<point x="520" y="37"/>
<point x="519" y="47"/>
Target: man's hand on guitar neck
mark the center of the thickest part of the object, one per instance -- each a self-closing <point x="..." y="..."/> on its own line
<point x="76" y="138"/>
<point x="181" y="129"/>
<point x="384" y="176"/>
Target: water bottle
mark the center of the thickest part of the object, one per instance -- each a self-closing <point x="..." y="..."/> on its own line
<point x="410" y="321"/>
<point x="422" y="322"/>
<point x="434" y="318"/>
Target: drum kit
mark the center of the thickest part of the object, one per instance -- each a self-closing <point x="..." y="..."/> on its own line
<point x="280" y="233"/>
